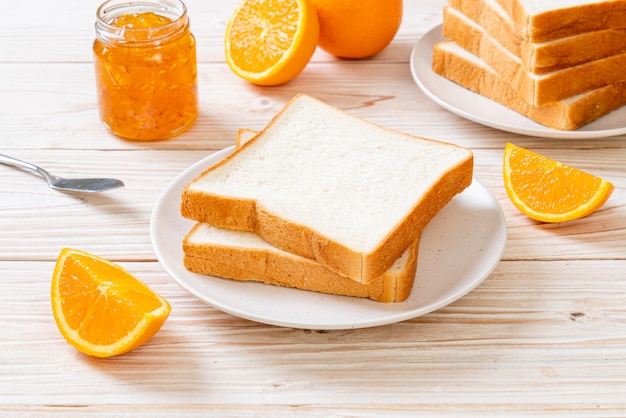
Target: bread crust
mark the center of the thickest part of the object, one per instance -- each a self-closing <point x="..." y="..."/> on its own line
<point x="535" y="90"/>
<point x="558" y="115"/>
<point x="567" y="21"/>
<point x="248" y="215"/>
<point x="542" y="57"/>
<point x="285" y="269"/>
<point x="573" y="51"/>
<point x="449" y="185"/>
<point x="500" y="27"/>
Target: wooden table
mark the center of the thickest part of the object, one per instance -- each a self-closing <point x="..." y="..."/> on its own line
<point x="544" y="334"/>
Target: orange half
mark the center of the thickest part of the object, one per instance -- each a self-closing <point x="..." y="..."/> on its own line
<point x="100" y="308"/>
<point x="549" y="191"/>
<point x="269" y="42"/>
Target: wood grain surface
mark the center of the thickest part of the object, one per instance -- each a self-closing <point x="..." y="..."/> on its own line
<point x="543" y="335"/>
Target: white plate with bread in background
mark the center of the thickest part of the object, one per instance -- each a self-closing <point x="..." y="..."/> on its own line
<point x="459" y="248"/>
<point x="482" y="110"/>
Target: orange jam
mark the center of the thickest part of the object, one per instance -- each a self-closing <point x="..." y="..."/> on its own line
<point x="145" y="63"/>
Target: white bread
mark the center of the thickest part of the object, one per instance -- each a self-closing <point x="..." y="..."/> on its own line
<point x="245" y="256"/>
<point x="537" y="90"/>
<point x="459" y="65"/>
<point x="243" y="136"/>
<point x="240" y="255"/>
<point x="492" y="17"/>
<point x="541" y="57"/>
<point x="326" y="185"/>
<point x="546" y="20"/>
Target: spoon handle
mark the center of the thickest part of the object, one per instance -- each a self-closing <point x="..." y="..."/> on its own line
<point x="5" y="159"/>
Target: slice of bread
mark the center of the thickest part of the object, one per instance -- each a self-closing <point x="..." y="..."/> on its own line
<point x="458" y="65"/>
<point x="537" y="90"/>
<point x="541" y="57"/>
<point x="245" y="256"/>
<point x="243" y="136"/>
<point x="492" y="17"/>
<point x="326" y="185"/>
<point x="546" y="20"/>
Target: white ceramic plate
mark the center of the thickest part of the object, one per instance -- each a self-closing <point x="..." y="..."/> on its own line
<point x="458" y="250"/>
<point x="477" y="108"/>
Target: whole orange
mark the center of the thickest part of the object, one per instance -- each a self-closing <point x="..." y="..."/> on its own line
<point x="357" y="28"/>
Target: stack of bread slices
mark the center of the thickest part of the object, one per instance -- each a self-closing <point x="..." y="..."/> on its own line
<point x="562" y="63"/>
<point x="321" y="200"/>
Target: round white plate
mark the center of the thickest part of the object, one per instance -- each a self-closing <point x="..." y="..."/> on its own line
<point x="480" y="109"/>
<point x="458" y="250"/>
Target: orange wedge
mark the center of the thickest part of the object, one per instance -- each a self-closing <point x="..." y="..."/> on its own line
<point x="269" y="42"/>
<point x="100" y="308"/>
<point x="549" y="191"/>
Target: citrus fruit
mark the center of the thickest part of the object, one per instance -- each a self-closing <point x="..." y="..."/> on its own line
<point x="269" y="42"/>
<point x="357" y="28"/>
<point x="100" y="308"/>
<point x="549" y="191"/>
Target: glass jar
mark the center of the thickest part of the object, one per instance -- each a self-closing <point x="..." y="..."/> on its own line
<point x="145" y="64"/>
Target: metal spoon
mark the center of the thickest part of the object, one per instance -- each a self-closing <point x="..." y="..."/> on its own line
<point x="59" y="183"/>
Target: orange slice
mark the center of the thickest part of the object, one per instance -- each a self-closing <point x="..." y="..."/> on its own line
<point x="549" y="191"/>
<point x="269" y="42"/>
<point x="100" y="308"/>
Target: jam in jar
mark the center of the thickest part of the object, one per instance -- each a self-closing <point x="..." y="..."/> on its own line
<point x="145" y="63"/>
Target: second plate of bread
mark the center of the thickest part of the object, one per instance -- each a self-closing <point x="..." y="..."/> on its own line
<point x="562" y="65"/>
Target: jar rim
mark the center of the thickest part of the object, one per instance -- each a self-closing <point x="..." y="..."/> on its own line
<point x="176" y="10"/>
